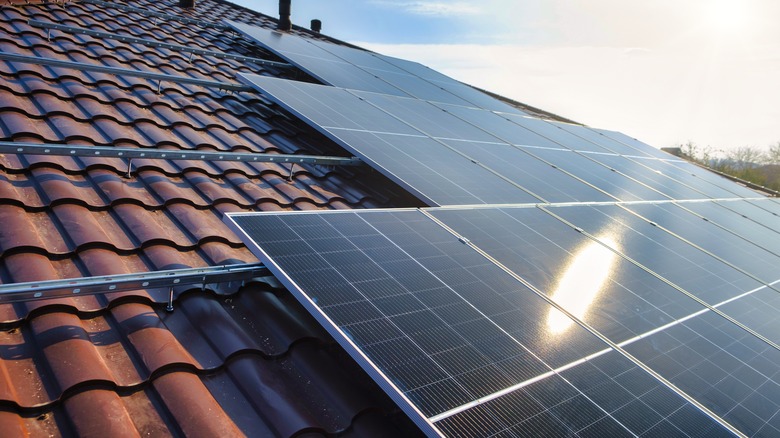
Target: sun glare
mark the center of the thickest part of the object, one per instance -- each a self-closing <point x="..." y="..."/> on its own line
<point x="581" y="283"/>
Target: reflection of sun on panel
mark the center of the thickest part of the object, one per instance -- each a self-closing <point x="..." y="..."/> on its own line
<point x="581" y="283"/>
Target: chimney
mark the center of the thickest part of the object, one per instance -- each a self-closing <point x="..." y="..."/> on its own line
<point x="188" y="4"/>
<point x="316" y="25"/>
<point x="284" y="15"/>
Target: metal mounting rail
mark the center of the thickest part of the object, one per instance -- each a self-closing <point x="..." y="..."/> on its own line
<point x="152" y="43"/>
<point x="123" y="72"/>
<point x="72" y="287"/>
<point x="170" y="154"/>
<point x="147" y="12"/>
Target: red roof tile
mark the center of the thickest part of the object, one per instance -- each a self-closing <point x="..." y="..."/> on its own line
<point x="229" y="360"/>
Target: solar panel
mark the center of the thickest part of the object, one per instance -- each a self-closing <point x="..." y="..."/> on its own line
<point x="603" y="288"/>
<point x="535" y="176"/>
<point x="467" y="346"/>
<point x="356" y="69"/>
<point x="375" y="128"/>
<point x="597" y="175"/>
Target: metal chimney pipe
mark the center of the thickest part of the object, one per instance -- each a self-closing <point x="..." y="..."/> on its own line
<point x="316" y="25"/>
<point x="284" y="15"/>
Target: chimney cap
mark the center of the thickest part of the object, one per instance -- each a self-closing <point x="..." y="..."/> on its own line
<point x="284" y="15"/>
<point x="316" y="25"/>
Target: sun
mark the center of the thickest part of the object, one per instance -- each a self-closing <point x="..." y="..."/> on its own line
<point x="727" y="16"/>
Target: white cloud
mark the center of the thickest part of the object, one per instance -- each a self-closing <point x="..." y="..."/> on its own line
<point x="444" y="9"/>
<point x="660" y="97"/>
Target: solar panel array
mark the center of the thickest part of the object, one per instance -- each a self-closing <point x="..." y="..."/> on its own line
<point x="579" y="282"/>
<point x="456" y="155"/>
<point x="570" y="319"/>
<point x="346" y="67"/>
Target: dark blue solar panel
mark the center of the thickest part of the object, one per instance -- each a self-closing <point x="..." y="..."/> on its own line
<point x="399" y="287"/>
<point x="700" y="173"/>
<point x="728" y="370"/>
<point x="430" y="170"/>
<point x="640" y="147"/>
<point x="616" y="297"/>
<point x="472" y="348"/>
<point x="315" y="104"/>
<point x="647" y="172"/>
<point x="744" y="219"/>
<point x="427" y="118"/>
<point x="693" y="270"/>
<point x="743" y="254"/>
<point x="535" y="176"/>
<point x="499" y="126"/>
<point x="597" y="137"/>
<point x="598" y="175"/>
<point x="555" y="132"/>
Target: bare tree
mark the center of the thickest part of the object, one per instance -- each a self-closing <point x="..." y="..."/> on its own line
<point x="745" y="157"/>
<point x="699" y="154"/>
<point x="773" y="154"/>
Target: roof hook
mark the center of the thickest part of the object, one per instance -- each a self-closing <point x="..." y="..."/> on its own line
<point x="290" y="176"/>
<point x="129" y="167"/>
<point x="169" y="307"/>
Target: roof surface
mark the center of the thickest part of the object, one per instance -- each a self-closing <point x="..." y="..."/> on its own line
<point x="226" y="361"/>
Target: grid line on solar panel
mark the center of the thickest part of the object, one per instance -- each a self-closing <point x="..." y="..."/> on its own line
<point x="462" y="372"/>
<point x="422" y="164"/>
<point x="348" y="67"/>
<point x="729" y="218"/>
<point x="557" y="259"/>
<point x="731" y="249"/>
<point x="328" y="236"/>
<point x="675" y="283"/>
<point x="591" y="330"/>
<point x="582" y="361"/>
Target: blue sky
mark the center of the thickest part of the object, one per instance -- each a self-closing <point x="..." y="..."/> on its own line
<point x="663" y="71"/>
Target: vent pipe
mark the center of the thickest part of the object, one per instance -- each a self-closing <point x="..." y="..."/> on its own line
<point x="284" y="15"/>
<point x="316" y="25"/>
<point x="188" y="4"/>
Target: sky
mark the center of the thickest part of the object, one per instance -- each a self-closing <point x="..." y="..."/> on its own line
<point x="663" y="71"/>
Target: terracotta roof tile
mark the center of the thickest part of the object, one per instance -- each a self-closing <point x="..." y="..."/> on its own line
<point x="229" y="360"/>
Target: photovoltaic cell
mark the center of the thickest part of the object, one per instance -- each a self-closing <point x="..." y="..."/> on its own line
<point x="428" y="168"/>
<point x="670" y="326"/>
<point x="536" y="176"/>
<point x="499" y="126"/>
<point x="554" y="131"/>
<point x="597" y="137"/>
<point x="616" y="297"/>
<point x="602" y="177"/>
<point x="642" y="148"/>
<point x="357" y="69"/>
<point x="427" y="118"/>
<point x="743" y="254"/>
<point x="712" y="187"/>
<point x="470" y="356"/>
<point x="725" y="368"/>
<point x="693" y="270"/>
<point x="469" y="349"/>
<point x="641" y="171"/>
<point x="432" y="171"/>
<point x="744" y="219"/>
<point x="699" y="173"/>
